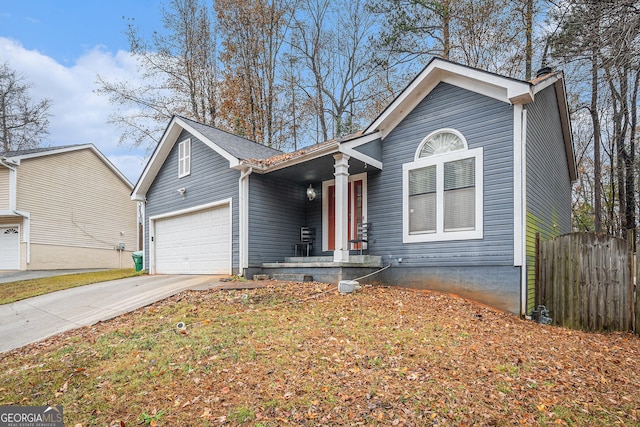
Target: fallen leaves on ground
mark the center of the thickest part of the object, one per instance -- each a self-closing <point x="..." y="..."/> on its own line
<point x="303" y="354"/>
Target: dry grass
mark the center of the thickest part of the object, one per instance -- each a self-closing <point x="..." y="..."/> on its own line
<point x="302" y="354"/>
<point x="15" y="291"/>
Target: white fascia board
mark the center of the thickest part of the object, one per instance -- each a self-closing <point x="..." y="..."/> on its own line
<point x="565" y="120"/>
<point x="348" y="148"/>
<point x="546" y="83"/>
<point x="18" y="159"/>
<point x="498" y="87"/>
<point x="156" y="161"/>
<point x="160" y="154"/>
<point x="49" y="152"/>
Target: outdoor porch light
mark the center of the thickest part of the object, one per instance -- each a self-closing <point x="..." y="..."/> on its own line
<point x="311" y="193"/>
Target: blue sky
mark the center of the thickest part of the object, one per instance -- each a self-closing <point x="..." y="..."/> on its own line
<point x="60" y="46"/>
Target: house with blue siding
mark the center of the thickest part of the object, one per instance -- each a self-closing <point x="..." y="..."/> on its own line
<point x="453" y="179"/>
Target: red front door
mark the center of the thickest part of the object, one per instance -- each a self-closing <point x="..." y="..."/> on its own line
<point x="355" y="210"/>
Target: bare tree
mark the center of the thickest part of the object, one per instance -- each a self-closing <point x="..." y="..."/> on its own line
<point x="332" y="40"/>
<point x="23" y="122"/>
<point x="603" y="37"/>
<point x="496" y="35"/>
<point x="180" y="72"/>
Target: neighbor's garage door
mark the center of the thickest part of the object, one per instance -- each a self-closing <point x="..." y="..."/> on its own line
<point x="194" y="243"/>
<point x="9" y="248"/>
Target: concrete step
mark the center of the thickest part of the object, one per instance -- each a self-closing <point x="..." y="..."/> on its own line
<point x="308" y="259"/>
<point x="292" y="277"/>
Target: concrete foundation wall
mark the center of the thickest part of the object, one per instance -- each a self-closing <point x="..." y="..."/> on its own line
<point x="498" y="287"/>
<point x="51" y="257"/>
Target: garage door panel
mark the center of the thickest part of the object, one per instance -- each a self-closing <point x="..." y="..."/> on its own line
<point x="9" y="248"/>
<point x="194" y="243"/>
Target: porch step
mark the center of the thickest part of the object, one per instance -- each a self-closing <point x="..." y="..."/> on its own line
<point x="324" y="262"/>
<point x="292" y="277"/>
<point x="308" y="259"/>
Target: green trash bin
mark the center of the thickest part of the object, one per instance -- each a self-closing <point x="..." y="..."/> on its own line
<point x="137" y="259"/>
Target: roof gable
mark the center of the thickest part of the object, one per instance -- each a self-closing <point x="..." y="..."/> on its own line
<point x="18" y="156"/>
<point x="231" y="147"/>
<point x="438" y="70"/>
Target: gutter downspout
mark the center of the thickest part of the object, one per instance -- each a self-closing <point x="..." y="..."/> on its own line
<point x="243" y="213"/>
<point x="525" y="264"/>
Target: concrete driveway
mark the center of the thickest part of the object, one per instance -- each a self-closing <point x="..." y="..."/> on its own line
<point x="34" y="319"/>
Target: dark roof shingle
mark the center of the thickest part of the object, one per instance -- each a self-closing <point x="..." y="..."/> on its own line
<point x="237" y="146"/>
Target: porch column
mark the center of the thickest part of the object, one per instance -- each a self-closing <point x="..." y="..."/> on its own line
<point x="341" y="166"/>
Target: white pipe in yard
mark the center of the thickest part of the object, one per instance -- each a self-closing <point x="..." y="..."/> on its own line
<point x="349" y="286"/>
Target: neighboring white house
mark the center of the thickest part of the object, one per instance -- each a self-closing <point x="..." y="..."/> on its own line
<point x="64" y="208"/>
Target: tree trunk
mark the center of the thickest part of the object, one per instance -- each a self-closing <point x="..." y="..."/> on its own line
<point x="529" y="38"/>
<point x="597" y="166"/>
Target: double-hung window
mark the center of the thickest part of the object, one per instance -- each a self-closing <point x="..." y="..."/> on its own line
<point x="443" y="190"/>
<point x="184" y="158"/>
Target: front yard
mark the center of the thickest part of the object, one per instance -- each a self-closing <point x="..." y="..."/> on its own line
<point x="302" y="354"/>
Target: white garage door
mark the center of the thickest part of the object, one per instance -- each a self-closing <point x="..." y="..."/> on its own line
<point x="9" y="248"/>
<point x="194" y="243"/>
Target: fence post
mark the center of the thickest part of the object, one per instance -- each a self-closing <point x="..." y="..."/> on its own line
<point x="631" y="274"/>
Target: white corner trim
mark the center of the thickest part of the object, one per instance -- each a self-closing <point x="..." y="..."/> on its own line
<point x="523" y="220"/>
<point x="243" y="208"/>
<point x="26" y="232"/>
<point x="518" y="172"/>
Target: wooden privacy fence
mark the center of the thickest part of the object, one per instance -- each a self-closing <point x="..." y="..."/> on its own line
<point x="585" y="280"/>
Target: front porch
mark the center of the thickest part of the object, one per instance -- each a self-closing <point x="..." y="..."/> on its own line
<point x="320" y="268"/>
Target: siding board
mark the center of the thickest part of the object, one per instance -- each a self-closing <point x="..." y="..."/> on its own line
<point x="4" y="188"/>
<point x="484" y="122"/>
<point x="548" y="181"/>
<point x="76" y="200"/>
<point x="210" y="180"/>
<point x="481" y="268"/>
<point x="277" y="211"/>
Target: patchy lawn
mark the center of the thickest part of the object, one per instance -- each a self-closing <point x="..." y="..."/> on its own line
<point x="15" y="291"/>
<point x="302" y="354"/>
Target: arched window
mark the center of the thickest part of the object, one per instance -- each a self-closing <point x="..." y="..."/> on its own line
<point x="441" y="142"/>
<point x="442" y="190"/>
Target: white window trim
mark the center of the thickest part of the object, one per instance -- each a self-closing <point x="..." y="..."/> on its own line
<point x="439" y="161"/>
<point x="184" y="160"/>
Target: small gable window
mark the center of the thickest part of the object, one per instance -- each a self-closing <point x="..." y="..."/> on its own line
<point x="184" y="158"/>
<point x="443" y="190"/>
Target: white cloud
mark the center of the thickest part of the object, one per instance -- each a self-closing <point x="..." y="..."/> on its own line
<point x="79" y="115"/>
